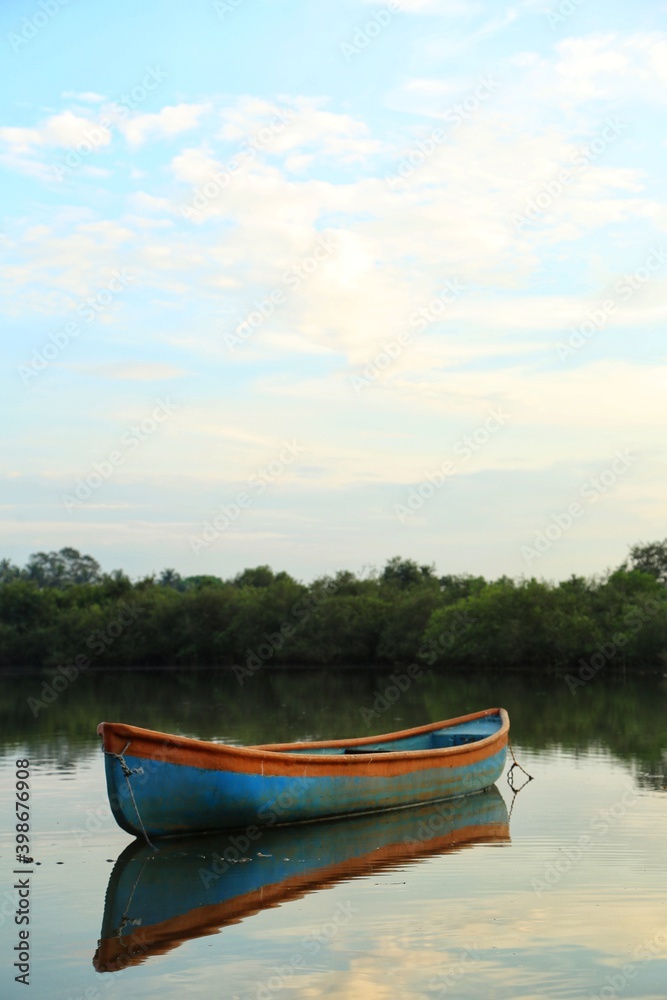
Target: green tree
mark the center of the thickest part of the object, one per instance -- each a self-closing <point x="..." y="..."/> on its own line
<point x="650" y="558"/>
<point x="260" y="576"/>
<point x="404" y="622"/>
<point x="509" y="624"/>
<point x="170" y="578"/>
<point x="455" y="587"/>
<point x="62" y="569"/>
<point x="8" y="571"/>
<point x="405" y="573"/>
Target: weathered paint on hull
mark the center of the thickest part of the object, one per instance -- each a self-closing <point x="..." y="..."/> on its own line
<point x="177" y="785"/>
<point x="177" y="799"/>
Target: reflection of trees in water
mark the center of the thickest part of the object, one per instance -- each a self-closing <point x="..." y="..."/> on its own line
<point x="655" y="779"/>
<point x="622" y="715"/>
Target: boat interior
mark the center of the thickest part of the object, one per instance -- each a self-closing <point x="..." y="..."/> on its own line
<point x="439" y="739"/>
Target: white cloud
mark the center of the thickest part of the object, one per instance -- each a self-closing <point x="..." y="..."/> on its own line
<point x="20" y="140"/>
<point x="195" y="166"/>
<point x="170" y="121"/>
<point x="139" y="371"/>
<point x="457" y="8"/>
<point x="297" y="126"/>
<point x="452" y="218"/>
<point x="313" y="167"/>
<point x="87" y="96"/>
<point x="146" y="202"/>
<point x="27" y="149"/>
<point x="145" y="222"/>
<point x="64" y="130"/>
<point x="608" y="66"/>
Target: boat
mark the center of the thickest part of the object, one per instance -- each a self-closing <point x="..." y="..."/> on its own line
<point x="191" y="887"/>
<point x="163" y="785"/>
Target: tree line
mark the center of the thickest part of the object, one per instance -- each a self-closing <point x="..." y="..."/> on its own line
<point x="62" y="609"/>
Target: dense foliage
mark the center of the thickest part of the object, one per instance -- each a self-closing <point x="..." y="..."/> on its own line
<point x="60" y="608"/>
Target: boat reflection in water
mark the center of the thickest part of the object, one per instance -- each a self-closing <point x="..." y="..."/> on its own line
<point x="193" y="886"/>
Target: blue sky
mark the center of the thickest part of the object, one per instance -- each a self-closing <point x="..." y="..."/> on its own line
<point x="315" y="284"/>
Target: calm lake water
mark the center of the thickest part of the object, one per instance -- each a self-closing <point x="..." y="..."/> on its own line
<point x="559" y="893"/>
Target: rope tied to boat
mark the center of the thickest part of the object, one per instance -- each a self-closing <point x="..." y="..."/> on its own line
<point x="510" y="774"/>
<point x="127" y="771"/>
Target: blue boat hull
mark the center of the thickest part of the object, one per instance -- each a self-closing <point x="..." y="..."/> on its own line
<point x="172" y="799"/>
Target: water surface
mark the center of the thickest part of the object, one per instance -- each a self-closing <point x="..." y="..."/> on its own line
<point x="559" y="893"/>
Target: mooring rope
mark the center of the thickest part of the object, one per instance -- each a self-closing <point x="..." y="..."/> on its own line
<point x="127" y="771"/>
<point x="510" y="779"/>
<point x="510" y="776"/>
<point x="126" y="920"/>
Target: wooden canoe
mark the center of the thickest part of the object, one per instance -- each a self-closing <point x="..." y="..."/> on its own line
<point x="164" y="785"/>
<point x="194" y="886"/>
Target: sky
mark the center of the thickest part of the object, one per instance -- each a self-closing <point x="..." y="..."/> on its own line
<point x="315" y="284"/>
